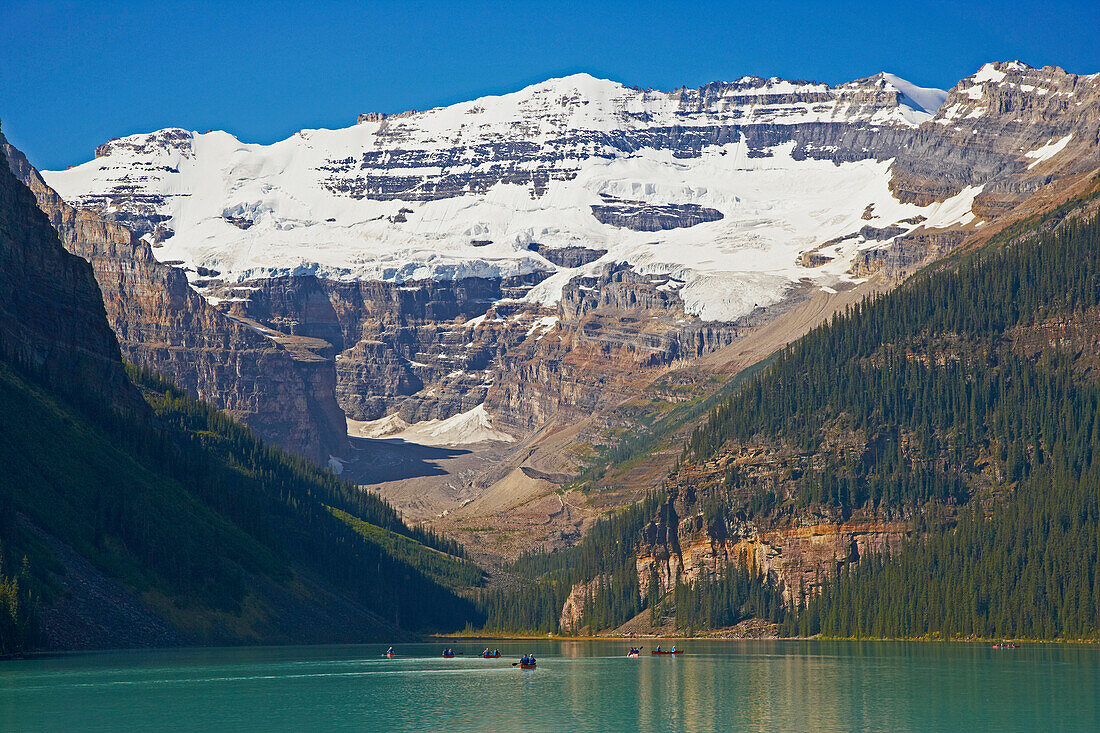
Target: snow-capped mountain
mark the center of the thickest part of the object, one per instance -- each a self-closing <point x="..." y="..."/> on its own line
<point x="531" y="257"/>
<point x="721" y="187"/>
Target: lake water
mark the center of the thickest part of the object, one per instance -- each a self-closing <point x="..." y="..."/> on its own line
<point x="578" y="686"/>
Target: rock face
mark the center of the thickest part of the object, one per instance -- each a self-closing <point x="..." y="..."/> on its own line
<point x="51" y="316"/>
<point x="570" y="257"/>
<point x="797" y="552"/>
<point x="423" y="349"/>
<point x="997" y="129"/>
<point x="572" y="611"/>
<point x="611" y="333"/>
<point x="643" y="217"/>
<point x="284" y="391"/>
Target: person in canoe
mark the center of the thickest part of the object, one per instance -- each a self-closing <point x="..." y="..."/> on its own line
<point x="673" y="649"/>
<point x="448" y="653"/>
<point x="486" y="653"/>
<point x="658" y="649"/>
<point x="390" y="652"/>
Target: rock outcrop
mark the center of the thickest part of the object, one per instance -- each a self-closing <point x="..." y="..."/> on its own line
<point x="570" y="257"/>
<point x="997" y="129"/>
<point x="689" y="539"/>
<point x="643" y="217"/>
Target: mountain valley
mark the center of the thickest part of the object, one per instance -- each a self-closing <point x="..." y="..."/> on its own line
<point x="580" y="314"/>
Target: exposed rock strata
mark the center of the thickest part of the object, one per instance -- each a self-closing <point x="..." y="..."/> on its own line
<point x="51" y="315"/>
<point x="982" y="133"/>
<point x="568" y="256"/>
<point x="643" y="217"/>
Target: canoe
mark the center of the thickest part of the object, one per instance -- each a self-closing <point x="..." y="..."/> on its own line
<point x="527" y="666"/>
<point x="448" y="656"/>
<point x="678" y="651"/>
<point x="490" y="656"/>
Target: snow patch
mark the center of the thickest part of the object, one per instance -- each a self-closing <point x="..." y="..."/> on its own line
<point x="1047" y="151"/>
<point x="919" y="104"/>
<point x="988" y="72"/>
<point x="543" y="324"/>
<point x="465" y="428"/>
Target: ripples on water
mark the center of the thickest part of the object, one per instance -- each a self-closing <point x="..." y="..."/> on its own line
<point x="578" y="686"/>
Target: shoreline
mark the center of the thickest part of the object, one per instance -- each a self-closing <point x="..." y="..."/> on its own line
<point x="681" y="637"/>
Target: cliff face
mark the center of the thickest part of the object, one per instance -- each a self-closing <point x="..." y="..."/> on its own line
<point x="611" y="334"/>
<point x="285" y="394"/>
<point x="51" y="316"/>
<point x="997" y="129"/>
<point x="797" y="551"/>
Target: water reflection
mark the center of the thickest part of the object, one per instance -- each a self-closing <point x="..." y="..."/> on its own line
<point x="578" y="686"/>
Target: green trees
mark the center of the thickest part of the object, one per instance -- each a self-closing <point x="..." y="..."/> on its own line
<point x="186" y="507"/>
<point x="975" y="392"/>
<point x="543" y="580"/>
<point x="974" y="386"/>
<point x="1029" y="570"/>
<point x="18" y="630"/>
<point x="741" y="592"/>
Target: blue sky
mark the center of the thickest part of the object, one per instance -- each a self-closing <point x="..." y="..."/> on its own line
<point x="73" y="75"/>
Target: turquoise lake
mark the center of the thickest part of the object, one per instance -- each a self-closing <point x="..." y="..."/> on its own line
<point x="578" y="686"/>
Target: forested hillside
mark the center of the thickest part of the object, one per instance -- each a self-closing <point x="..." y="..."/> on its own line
<point x="964" y="405"/>
<point x="544" y="580"/>
<point x="133" y="514"/>
<point x="974" y="386"/>
<point x="225" y="538"/>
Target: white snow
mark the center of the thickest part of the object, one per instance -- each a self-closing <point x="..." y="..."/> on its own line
<point x="774" y="207"/>
<point x="927" y="98"/>
<point x="988" y="72"/>
<point x="919" y="104"/>
<point x="542" y="325"/>
<point x="1047" y="151"/>
<point x="465" y="428"/>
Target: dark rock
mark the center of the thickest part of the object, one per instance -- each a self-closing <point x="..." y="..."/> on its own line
<point x="653" y="217"/>
<point x="572" y="256"/>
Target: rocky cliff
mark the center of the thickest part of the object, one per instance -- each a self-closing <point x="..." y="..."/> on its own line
<point x="285" y="392"/>
<point x="51" y="316"/>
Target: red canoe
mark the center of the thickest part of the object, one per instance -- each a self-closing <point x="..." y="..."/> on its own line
<point x="490" y="656"/>
<point x="678" y="651"/>
<point x="526" y="666"/>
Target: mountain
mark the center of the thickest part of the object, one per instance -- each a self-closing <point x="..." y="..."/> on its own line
<point x="132" y="514"/>
<point x="283" y="388"/>
<point x="566" y="264"/>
